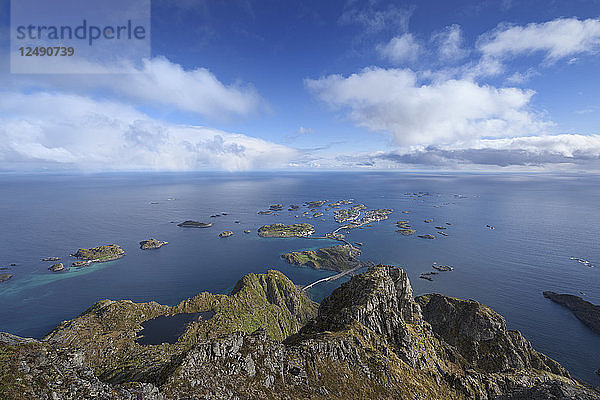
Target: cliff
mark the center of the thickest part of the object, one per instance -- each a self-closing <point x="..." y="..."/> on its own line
<point x="369" y="339"/>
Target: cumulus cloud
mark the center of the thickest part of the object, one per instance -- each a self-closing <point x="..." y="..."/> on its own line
<point x="450" y="43"/>
<point x="557" y="39"/>
<point x="393" y="100"/>
<point x="43" y="130"/>
<point x="157" y="81"/>
<point x="400" y="49"/>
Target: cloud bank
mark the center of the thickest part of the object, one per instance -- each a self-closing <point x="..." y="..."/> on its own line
<point x="44" y="130"/>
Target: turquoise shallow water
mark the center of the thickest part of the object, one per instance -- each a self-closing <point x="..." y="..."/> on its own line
<point x="540" y="222"/>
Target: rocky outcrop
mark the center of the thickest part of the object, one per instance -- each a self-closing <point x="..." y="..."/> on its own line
<point x="34" y="370"/>
<point x="585" y="311"/>
<point x="5" y="277"/>
<point x="480" y="336"/>
<point x="369" y="340"/>
<point x="225" y="234"/>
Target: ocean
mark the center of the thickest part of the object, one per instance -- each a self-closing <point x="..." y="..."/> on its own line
<point x="540" y="221"/>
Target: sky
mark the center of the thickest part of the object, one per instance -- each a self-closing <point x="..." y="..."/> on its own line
<point x="481" y="85"/>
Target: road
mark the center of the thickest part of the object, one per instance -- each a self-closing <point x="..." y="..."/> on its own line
<point x="358" y="266"/>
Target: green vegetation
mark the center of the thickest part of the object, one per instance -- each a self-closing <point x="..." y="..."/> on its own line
<point x="281" y="230"/>
<point x="336" y="258"/>
<point x="100" y="253"/>
<point x="107" y="331"/>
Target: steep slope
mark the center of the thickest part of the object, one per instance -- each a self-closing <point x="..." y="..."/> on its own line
<point x="106" y="333"/>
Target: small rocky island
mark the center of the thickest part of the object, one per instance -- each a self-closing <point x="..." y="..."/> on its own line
<point x="105" y="253"/>
<point x="225" y="234"/>
<point x="585" y="311"/>
<point x="195" y="224"/>
<point x="335" y="258"/>
<point x="51" y="259"/>
<point x="5" y="277"/>
<point x="57" y="267"/>
<point x="284" y="231"/>
<point x="151" y="244"/>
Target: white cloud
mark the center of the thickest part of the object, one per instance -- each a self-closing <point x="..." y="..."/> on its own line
<point x="374" y="19"/>
<point x="450" y="43"/>
<point x="400" y="49"/>
<point x="557" y="39"/>
<point x="392" y="100"/>
<point x="587" y="110"/>
<point x="43" y="130"/>
<point x="304" y="131"/>
<point x="157" y="82"/>
<point x="518" y="77"/>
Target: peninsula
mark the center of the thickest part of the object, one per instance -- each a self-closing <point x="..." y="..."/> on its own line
<point x="585" y="311"/>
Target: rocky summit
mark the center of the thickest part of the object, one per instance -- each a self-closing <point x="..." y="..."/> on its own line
<point x="370" y="339"/>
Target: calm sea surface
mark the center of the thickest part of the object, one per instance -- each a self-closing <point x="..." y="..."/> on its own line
<point x="540" y="222"/>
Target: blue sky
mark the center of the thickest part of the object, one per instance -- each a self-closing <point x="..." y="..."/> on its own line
<point x="244" y="85"/>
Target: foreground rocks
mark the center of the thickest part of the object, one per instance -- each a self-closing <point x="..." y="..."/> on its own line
<point x="585" y="311"/>
<point x="370" y="339"/>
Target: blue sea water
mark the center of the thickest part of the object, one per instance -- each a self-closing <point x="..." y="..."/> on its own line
<point x="540" y="222"/>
